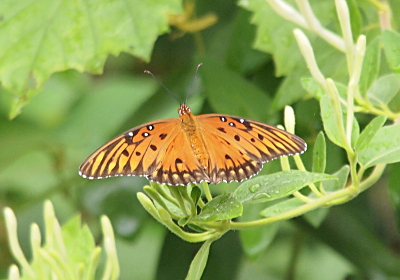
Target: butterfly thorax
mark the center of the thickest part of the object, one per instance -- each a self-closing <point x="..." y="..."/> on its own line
<point x="191" y="129"/>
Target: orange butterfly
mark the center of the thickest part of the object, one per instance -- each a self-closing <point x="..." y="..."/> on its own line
<point x="191" y="149"/>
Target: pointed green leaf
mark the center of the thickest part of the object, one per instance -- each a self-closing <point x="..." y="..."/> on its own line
<point x="316" y="216"/>
<point x="195" y="194"/>
<point x="391" y="46"/>
<point x="384" y="89"/>
<point x="370" y="67"/>
<point x="319" y="154"/>
<point x="394" y="190"/>
<point x="199" y="262"/>
<point x="312" y="87"/>
<point x="342" y="175"/>
<point x="225" y="88"/>
<point x="222" y="207"/>
<point x="355" y="16"/>
<point x="331" y="128"/>
<point x="282" y="207"/>
<point x="256" y="240"/>
<point x="369" y="132"/>
<point x="383" y="148"/>
<point x="79" y="241"/>
<point x="277" y="185"/>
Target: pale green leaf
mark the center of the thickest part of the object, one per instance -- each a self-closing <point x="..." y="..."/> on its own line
<point x="277" y="185"/>
<point x="199" y="262"/>
<point x="40" y="37"/>
<point x="222" y="207"/>
<point x="370" y="67"/>
<point x="369" y="132"/>
<point x="380" y="150"/>
<point x="319" y="154"/>
<point x="384" y="89"/>
<point x="391" y="46"/>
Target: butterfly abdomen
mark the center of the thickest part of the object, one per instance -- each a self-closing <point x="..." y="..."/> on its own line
<point x="189" y="125"/>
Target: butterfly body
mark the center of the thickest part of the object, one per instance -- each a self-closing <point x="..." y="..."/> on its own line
<point x="191" y="149"/>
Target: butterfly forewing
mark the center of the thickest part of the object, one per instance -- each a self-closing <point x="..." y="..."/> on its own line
<point x="135" y="152"/>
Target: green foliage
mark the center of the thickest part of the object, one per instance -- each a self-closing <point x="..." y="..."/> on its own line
<point x="344" y="90"/>
<point x="68" y="252"/>
<point x="52" y="36"/>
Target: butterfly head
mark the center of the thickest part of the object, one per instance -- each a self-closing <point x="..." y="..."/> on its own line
<point x="184" y="110"/>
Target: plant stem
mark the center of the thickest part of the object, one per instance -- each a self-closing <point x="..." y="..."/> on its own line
<point x="207" y="191"/>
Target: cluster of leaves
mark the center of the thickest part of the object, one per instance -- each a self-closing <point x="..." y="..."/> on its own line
<point x="69" y="252"/>
<point x="64" y="125"/>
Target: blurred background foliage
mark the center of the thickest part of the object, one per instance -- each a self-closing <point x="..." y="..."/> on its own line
<point x="251" y="68"/>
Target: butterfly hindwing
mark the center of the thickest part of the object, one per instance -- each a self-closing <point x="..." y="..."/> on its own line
<point x="179" y="166"/>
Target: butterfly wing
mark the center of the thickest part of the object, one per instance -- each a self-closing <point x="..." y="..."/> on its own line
<point x="134" y="152"/>
<point x="159" y="151"/>
<point x="179" y="166"/>
<point x="237" y="147"/>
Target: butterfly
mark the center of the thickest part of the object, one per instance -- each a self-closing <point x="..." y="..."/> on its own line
<point x="191" y="149"/>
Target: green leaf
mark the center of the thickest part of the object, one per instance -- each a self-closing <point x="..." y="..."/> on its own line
<point x="226" y="91"/>
<point x="319" y="154"/>
<point x="316" y="216"/>
<point x="370" y="67"/>
<point x="342" y="176"/>
<point x="369" y="132"/>
<point x="274" y="35"/>
<point x="394" y="190"/>
<point x="391" y="46"/>
<point x="98" y="116"/>
<point x="331" y="128"/>
<point x="78" y="240"/>
<point x="199" y="262"/>
<point x="139" y="259"/>
<point x="356" y="21"/>
<point x="384" y="89"/>
<point x="383" y="148"/>
<point x="222" y="207"/>
<point x="38" y="38"/>
<point x="256" y="240"/>
<point x="328" y="118"/>
<point x="282" y="207"/>
<point x="312" y="87"/>
<point x="277" y="185"/>
<point x="240" y="54"/>
<point x="195" y="194"/>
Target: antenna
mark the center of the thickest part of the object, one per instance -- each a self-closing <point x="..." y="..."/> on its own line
<point x="170" y="92"/>
<point x="161" y="84"/>
<point x="191" y="85"/>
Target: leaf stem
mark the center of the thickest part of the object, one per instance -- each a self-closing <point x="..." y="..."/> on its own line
<point x="207" y="192"/>
<point x="290" y="14"/>
<point x="322" y="201"/>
